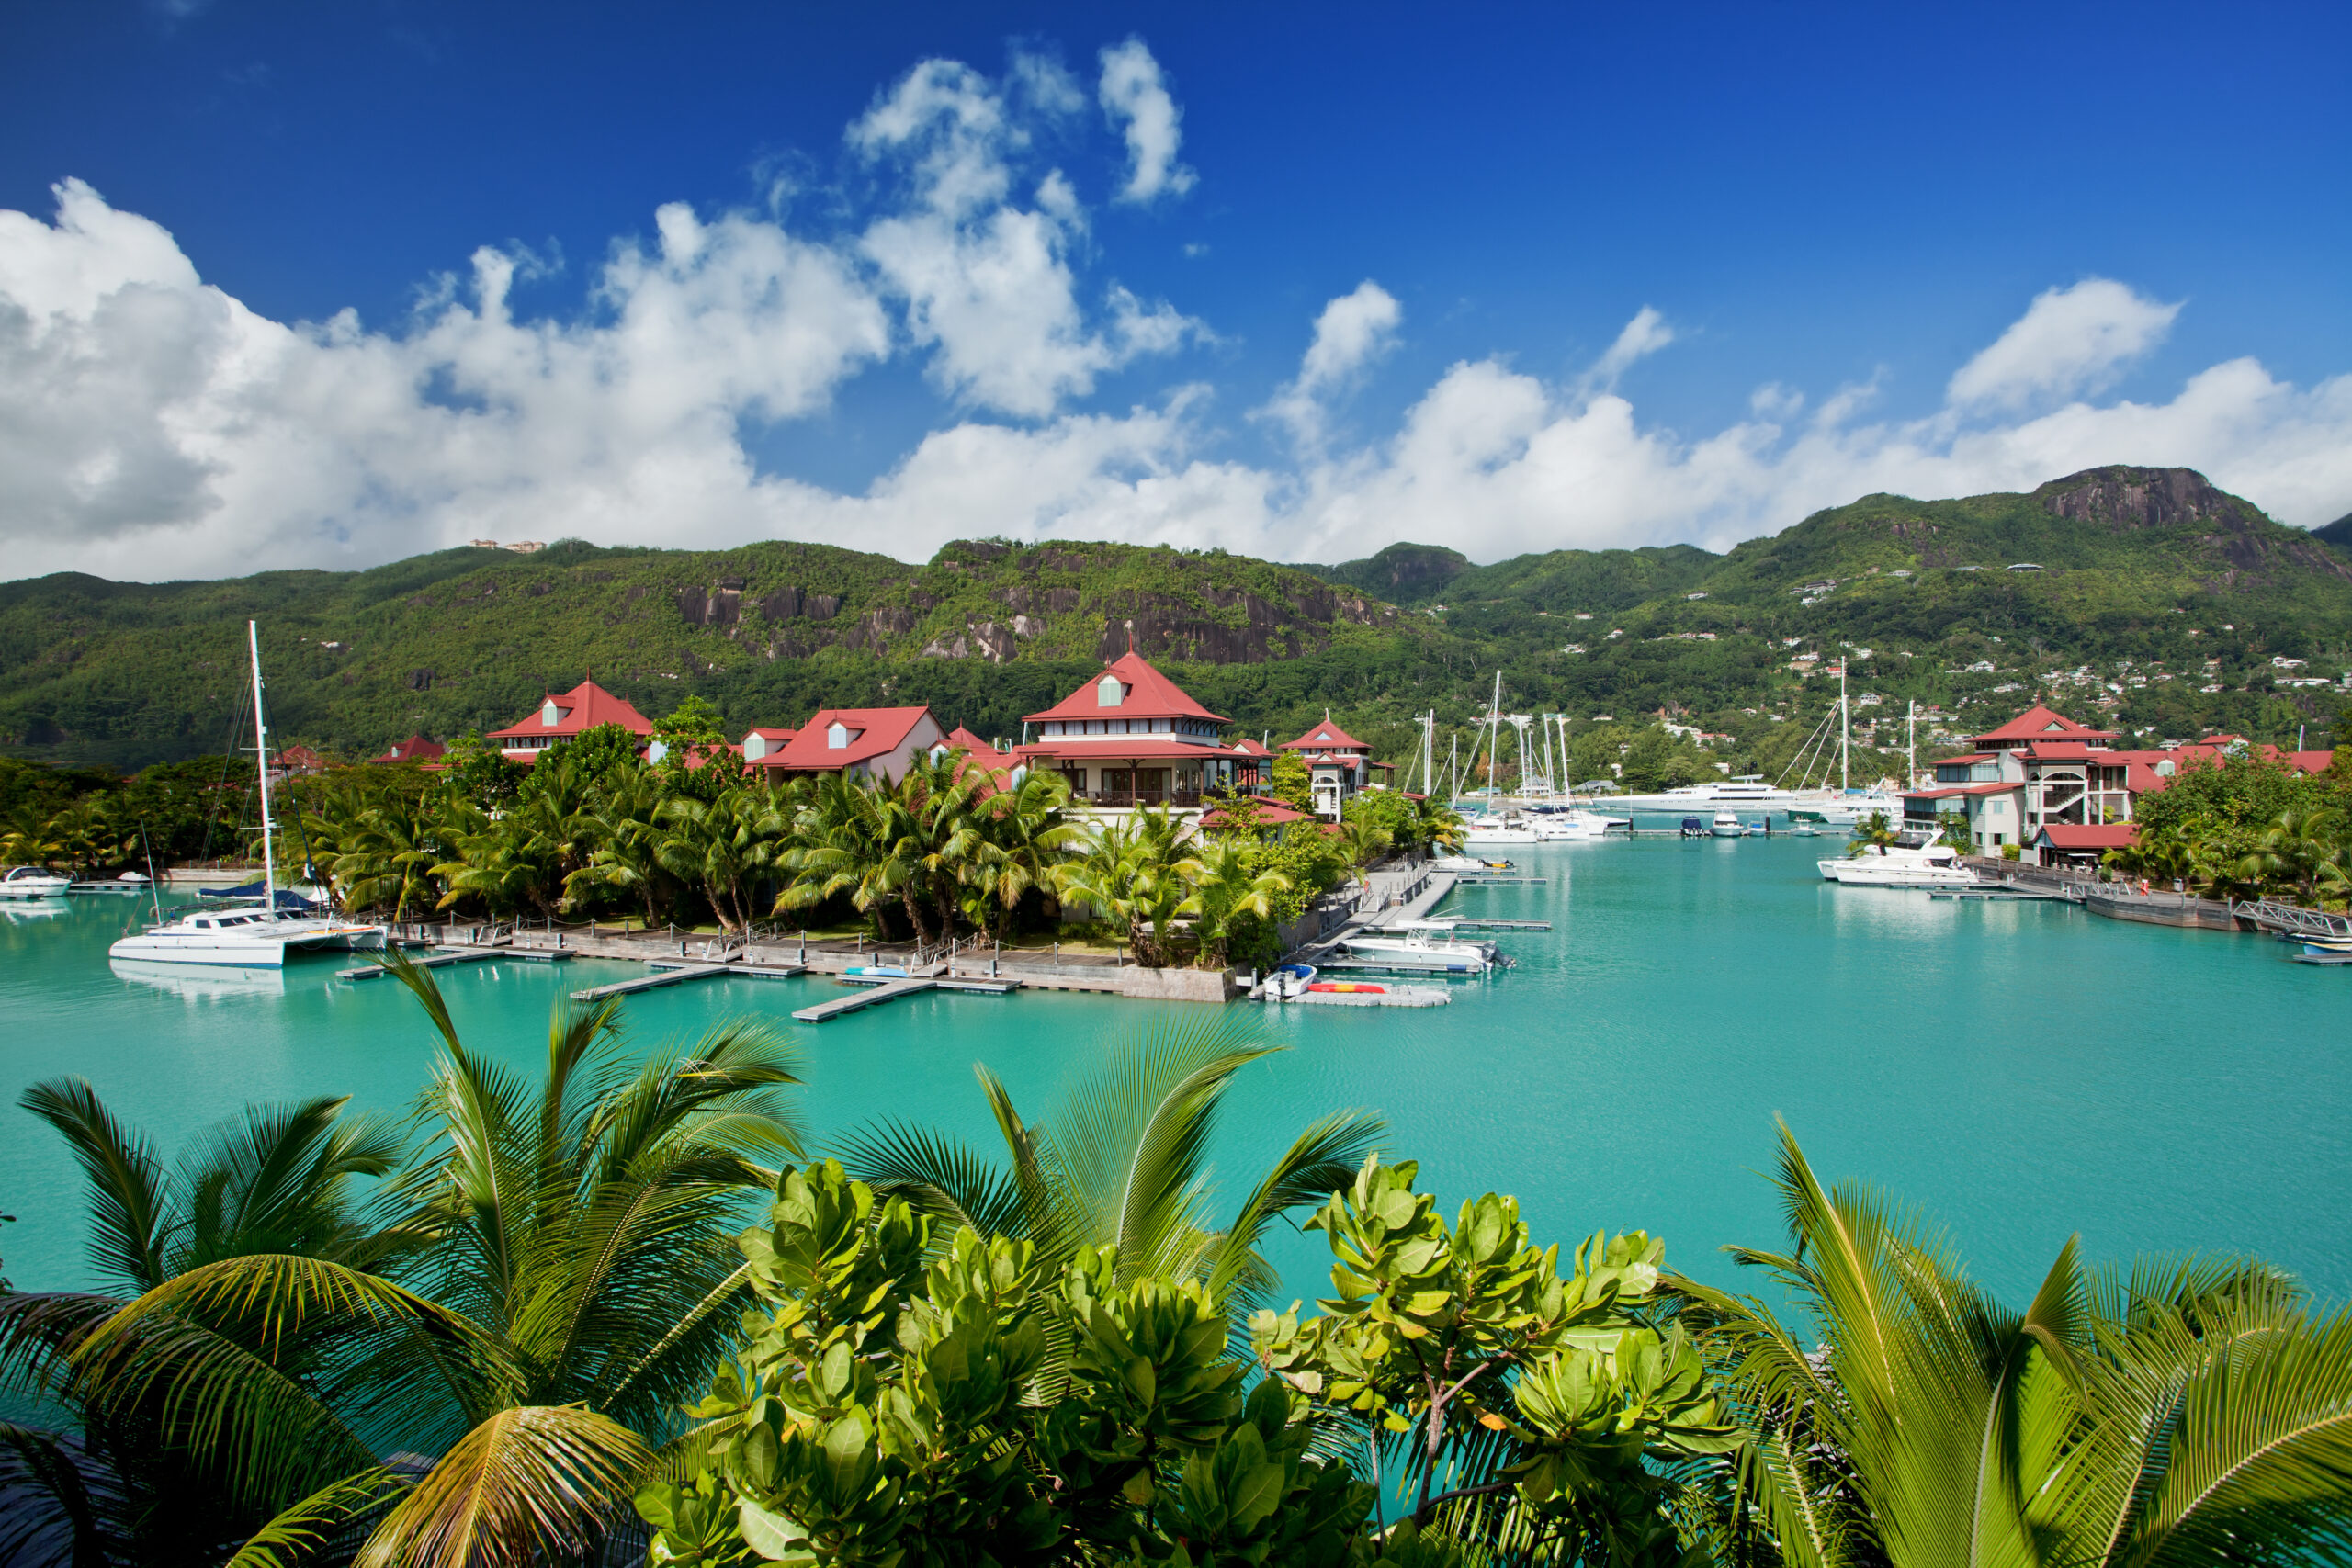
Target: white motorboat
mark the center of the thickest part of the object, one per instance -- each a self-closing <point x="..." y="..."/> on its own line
<point x="1850" y="810"/>
<point x="247" y="939"/>
<point x="1483" y="833"/>
<point x="1472" y="865"/>
<point x="1288" y="983"/>
<point x="33" y="882"/>
<point x="1424" y="945"/>
<point x="1726" y="824"/>
<point x="1897" y="865"/>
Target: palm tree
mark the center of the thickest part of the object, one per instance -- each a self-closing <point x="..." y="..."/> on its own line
<point x="277" y="1182"/>
<point x="718" y="844"/>
<point x="1025" y="832"/>
<point x="837" y="846"/>
<point x="2297" y="850"/>
<point x="562" y="1281"/>
<point x="1221" y="892"/>
<point x="1873" y="832"/>
<point x="1126" y="874"/>
<point x="1124" y="1165"/>
<point x="2190" y="1413"/>
<point x="932" y="829"/>
<point x="30" y="840"/>
<point x="379" y="849"/>
<point x="627" y="834"/>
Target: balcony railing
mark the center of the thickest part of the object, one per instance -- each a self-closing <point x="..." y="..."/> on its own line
<point x="1178" y="797"/>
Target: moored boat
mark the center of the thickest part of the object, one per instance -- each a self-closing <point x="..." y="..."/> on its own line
<point x="33" y="882"/>
<point x="1900" y="865"/>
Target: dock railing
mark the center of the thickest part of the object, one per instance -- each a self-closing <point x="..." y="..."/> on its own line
<point x="2272" y="914"/>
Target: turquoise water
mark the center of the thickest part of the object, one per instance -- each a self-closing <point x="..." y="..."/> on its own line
<point x="2023" y="1070"/>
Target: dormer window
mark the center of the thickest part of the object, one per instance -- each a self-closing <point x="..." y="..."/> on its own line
<point x="550" y="714"/>
<point x="754" y="748"/>
<point x="1108" y="691"/>
<point x="838" y="735"/>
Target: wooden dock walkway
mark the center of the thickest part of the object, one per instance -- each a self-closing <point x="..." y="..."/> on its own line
<point x="449" y="955"/>
<point x="673" y="976"/>
<point x="888" y="991"/>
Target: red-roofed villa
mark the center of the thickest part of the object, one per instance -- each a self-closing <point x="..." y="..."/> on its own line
<point x="574" y="713"/>
<point x="415" y="749"/>
<point x="859" y="742"/>
<point x="1131" y="737"/>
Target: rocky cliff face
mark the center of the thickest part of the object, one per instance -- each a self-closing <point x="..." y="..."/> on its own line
<point x="2246" y="549"/>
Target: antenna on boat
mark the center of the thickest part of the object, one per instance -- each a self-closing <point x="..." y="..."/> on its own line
<point x="261" y="761"/>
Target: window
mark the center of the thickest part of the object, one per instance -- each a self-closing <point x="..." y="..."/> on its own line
<point x="550" y="714"/>
<point x="837" y="736"/>
<point x="1108" y="691"/>
<point x="754" y="748"/>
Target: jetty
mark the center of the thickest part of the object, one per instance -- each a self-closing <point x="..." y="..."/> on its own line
<point x="443" y="958"/>
<point x="661" y="975"/>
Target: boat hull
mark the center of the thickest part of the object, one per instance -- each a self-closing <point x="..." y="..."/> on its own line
<point x="231" y="949"/>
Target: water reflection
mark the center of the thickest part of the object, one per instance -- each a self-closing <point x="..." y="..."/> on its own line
<point x="200" y="982"/>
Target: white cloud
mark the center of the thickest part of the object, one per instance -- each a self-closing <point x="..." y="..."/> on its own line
<point x="151" y="425"/>
<point x="2069" y="340"/>
<point x="1136" y="101"/>
<point x="1353" y="331"/>
<point x="986" y="283"/>
<point x="1644" y="335"/>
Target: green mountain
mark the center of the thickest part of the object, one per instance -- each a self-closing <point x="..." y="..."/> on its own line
<point x="2336" y="535"/>
<point x="2132" y="588"/>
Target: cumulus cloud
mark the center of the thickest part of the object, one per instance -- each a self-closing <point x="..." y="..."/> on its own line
<point x="1353" y="331"/>
<point x="986" y="282"/>
<point x="152" y="425"/>
<point x="2069" y="340"/>
<point x="1136" y="101"/>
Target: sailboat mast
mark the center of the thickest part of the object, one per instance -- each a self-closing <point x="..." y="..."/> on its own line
<point x="1845" y="727"/>
<point x="1429" y="751"/>
<point x="261" y="762"/>
<point x="1911" y="744"/>
<point x="1495" y="741"/>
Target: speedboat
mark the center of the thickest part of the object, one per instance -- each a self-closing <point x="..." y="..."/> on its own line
<point x="1898" y="865"/>
<point x="33" y="882"/>
<point x="1424" y="945"/>
<point x="1472" y="865"/>
<point x="1289" y="983"/>
<point x="1727" y="824"/>
<point x="249" y="938"/>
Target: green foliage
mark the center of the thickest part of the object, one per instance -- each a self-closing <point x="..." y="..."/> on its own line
<point x="907" y="1401"/>
<point x="1292" y="781"/>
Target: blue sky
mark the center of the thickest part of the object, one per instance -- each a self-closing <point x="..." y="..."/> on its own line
<point x="1637" y="274"/>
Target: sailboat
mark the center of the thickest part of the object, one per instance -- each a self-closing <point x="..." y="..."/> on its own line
<point x="247" y="939"/>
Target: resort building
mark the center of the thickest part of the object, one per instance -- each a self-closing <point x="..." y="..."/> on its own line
<point x="574" y="713"/>
<point x="2059" y="790"/>
<point x="415" y="749"/>
<point x="1338" y="763"/>
<point x="859" y="742"/>
<point x="1131" y="737"/>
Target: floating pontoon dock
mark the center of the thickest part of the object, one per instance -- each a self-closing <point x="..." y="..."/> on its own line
<point x="448" y="956"/>
<point x="1464" y="923"/>
<point x="2001" y="895"/>
<point x="661" y="976"/>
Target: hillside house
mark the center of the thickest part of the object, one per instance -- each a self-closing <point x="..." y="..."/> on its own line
<point x="1338" y="765"/>
<point x="574" y="713"/>
<point x="1131" y="737"/>
<point x="415" y="749"/>
<point x="857" y="742"/>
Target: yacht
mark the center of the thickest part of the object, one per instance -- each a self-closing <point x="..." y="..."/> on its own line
<point x="1850" y="810"/>
<point x="33" y="882"/>
<point x="1424" y="945"/>
<point x="1727" y="823"/>
<point x="1897" y="865"/>
<point x="247" y="939"/>
<point x="1483" y="833"/>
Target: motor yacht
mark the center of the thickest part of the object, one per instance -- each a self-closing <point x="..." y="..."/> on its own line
<point x="33" y="882"/>
<point x="241" y="938"/>
<point x="1483" y="832"/>
<point x="1424" y="945"/>
<point x="1899" y="865"/>
<point x="1726" y="824"/>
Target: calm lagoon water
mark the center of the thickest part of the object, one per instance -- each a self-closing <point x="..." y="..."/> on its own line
<point x="2023" y="1070"/>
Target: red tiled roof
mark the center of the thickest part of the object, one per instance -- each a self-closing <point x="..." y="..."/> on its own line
<point x="1147" y="694"/>
<point x="415" y="749"/>
<point x="582" y="709"/>
<point x="2059" y="750"/>
<point x="2039" y="722"/>
<point x="2099" y="836"/>
<point x="1246" y="746"/>
<point x="959" y="736"/>
<point x="1109" y="749"/>
<point x="874" y="732"/>
<point x="1324" y="733"/>
<point x="766" y="732"/>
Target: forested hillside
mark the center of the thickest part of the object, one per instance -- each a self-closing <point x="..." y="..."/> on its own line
<point x="2144" y="596"/>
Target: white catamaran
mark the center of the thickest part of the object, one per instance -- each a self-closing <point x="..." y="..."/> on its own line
<point x="247" y="939"/>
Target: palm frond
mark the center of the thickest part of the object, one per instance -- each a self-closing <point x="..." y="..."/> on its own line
<point x="129" y="1197"/>
<point x="526" y="1485"/>
<point x="295" y="1535"/>
<point x="937" y="1175"/>
<point x="1321" y="1161"/>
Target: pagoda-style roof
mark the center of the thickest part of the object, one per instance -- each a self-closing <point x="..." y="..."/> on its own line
<point x="580" y="709"/>
<point x="2039" y="723"/>
<point x="1326" y="736"/>
<point x="1128" y="687"/>
<point x="415" y="749"/>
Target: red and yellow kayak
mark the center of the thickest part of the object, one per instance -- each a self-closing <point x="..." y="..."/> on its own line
<point x="1349" y="986"/>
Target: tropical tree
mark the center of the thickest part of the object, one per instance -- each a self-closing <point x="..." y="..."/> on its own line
<point x="378" y="849"/>
<point x="1126" y="874"/>
<point x="2193" y="1411"/>
<point x="2298" y="851"/>
<point x="1228" y="898"/>
<point x="839" y="845"/>
<point x="561" y="1281"/>
<point x="628" y="836"/>
<point x="31" y="839"/>
<point x="1873" y="832"/>
<point x="1026" y="831"/>
<point x="1123" y="1167"/>
<point x="718" y="845"/>
<point x="139" y="1477"/>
